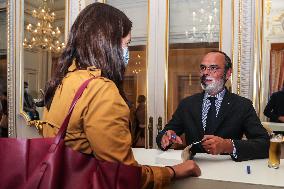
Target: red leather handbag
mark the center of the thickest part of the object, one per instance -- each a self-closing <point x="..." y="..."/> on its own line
<point x="47" y="163"/>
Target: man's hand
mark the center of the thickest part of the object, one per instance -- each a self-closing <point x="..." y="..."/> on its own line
<point x="170" y="137"/>
<point x="216" y="145"/>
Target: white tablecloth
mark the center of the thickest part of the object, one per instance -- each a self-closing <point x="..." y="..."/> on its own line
<point x="218" y="172"/>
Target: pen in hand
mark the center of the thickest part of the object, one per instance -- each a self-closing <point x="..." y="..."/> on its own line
<point x="175" y="139"/>
<point x="197" y="142"/>
<point x="173" y="136"/>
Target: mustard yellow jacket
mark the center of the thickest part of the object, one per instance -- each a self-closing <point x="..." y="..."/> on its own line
<point x="99" y="122"/>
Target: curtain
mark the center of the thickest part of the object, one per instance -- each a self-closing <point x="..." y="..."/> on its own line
<point x="276" y="75"/>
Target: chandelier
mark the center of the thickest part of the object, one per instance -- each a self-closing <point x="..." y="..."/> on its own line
<point x="205" y="22"/>
<point x="137" y="68"/>
<point x="43" y="35"/>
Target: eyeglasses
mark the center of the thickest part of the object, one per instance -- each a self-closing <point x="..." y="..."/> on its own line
<point x="211" y="69"/>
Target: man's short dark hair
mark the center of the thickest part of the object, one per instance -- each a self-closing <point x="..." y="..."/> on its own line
<point x="228" y="62"/>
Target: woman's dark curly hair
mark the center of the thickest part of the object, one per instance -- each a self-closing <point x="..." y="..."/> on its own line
<point x="94" y="40"/>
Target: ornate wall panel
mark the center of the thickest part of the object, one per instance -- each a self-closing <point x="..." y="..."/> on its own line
<point x="246" y="50"/>
<point x="12" y="8"/>
<point x="243" y="47"/>
<point x="258" y="60"/>
<point x="75" y="7"/>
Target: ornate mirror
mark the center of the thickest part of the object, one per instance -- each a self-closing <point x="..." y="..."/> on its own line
<point x="43" y="41"/>
<point x="3" y="70"/>
<point x="36" y="31"/>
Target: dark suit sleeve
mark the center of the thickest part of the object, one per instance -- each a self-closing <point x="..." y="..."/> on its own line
<point x="269" y="109"/>
<point x="175" y="124"/>
<point x="257" y="144"/>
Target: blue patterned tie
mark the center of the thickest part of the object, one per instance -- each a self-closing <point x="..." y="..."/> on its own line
<point x="211" y="117"/>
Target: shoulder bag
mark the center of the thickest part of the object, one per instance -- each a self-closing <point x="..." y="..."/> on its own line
<point x="46" y="163"/>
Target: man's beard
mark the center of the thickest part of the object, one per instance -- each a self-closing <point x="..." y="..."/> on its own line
<point x="214" y="87"/>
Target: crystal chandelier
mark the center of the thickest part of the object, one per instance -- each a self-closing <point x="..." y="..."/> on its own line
<point x="43" y="35"/>
<point x="205" y="22"/>
<point x="137" y="66"/>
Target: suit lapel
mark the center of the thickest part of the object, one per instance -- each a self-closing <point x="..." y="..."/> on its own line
<point x="197" y="110"/>
<point x="224" y="110"/>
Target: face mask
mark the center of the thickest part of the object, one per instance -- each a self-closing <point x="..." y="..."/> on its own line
<point x="125" y="55"/>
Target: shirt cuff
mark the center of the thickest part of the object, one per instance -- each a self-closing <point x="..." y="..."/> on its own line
<point x="234" y="154"/>
<point x="162" y="132"/>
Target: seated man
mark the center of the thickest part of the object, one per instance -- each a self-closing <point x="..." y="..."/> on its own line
<point x="275" y="107"/>
<point x="217" y="117"/>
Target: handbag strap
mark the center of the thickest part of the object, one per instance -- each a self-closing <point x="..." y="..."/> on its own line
<point x="62" y="131"/>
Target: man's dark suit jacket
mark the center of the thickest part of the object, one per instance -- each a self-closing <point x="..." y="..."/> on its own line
<point x="275" y="106"/>
<point x="235" y="118"/>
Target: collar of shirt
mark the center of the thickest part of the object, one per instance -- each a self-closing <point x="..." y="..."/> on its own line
<point x="219" y="95"/>
<point x="91" y="70"/>
<point x="206" y="105"/>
